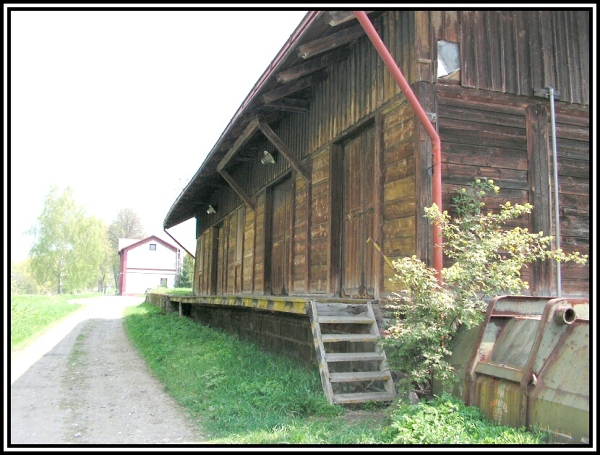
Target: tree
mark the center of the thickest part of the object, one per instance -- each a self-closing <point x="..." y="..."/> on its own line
<point x="126" y="225"/>
<point x="106" y="266"/>
<point x="23" y="282"/>
<point x="186" y="278"/>
<point x="485" y="260"/>
<point x="67" y="250"/>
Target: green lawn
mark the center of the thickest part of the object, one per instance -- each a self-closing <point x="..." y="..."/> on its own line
<point x="32" y="314"/>
<point x="240" y="394"/>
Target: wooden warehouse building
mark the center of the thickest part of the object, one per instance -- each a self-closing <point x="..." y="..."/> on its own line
<point x="327" y="153"/>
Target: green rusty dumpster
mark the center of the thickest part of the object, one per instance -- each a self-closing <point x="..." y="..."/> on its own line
<point x="528" y="365"/>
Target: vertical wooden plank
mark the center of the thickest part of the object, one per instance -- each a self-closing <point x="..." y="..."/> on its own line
<point x="450" y="24"/>
<point x="481" y="50"/>
<point x="560" y="36"/>
<point x="335" y="221"/>
<point x="493" y="43"/>
<point x="539" y="191"/>
<point x="378" y="203"/>
<point x="214" y="260"/>
<point x="571" y="57"/>
<point x="197" y="283"/>
<point x="509" y="53"/>
<point x="308" y="253"/>
<point x="368" y="209"/>
<point x="259" y="244"/>
<point x="536" y="60"/>
<point x="547" y="50"/>
<point x="522" y="41"/>
<point x="583" y="19"/>
<point x="468" y="72"/>
<point x="423" y="46"/>
<point x="426" y="95"/>
<point x="268" y="242"/>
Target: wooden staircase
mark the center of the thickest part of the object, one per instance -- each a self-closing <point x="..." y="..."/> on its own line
<point x="353" y="368"/>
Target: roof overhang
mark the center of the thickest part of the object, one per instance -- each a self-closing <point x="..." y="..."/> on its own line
<point x="320" y="40"/>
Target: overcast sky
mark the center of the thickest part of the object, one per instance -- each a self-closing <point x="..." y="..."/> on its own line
<point x="123" y="106"/>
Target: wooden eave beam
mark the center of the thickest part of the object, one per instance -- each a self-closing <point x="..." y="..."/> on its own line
<point x="330" y="42"/>
<point x="292" y="87"/>
<point x="238" y="189"/>
<point x="335" y="18"/>
<point x="292" y="105"/>
<point x="241" y="140"/>
<point x="312" y="66"/>
<point x="279" y="145"/>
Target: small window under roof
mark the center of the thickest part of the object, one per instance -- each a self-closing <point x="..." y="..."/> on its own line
<point x="448" y="58"/>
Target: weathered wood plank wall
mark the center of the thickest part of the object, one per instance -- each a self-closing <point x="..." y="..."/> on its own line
<point x="485" y="129"/>
<point x="519" y="52"/>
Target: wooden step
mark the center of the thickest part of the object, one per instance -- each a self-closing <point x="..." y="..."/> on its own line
<point x="349" y="398"/>
<point x="356" y="376"/>
<point x="345" y="320"/>
<point x="353" y="356"/>
<point x="339" y="313"/>
<point x="355" y="337"/>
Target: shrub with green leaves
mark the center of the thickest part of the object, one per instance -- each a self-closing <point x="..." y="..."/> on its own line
<point x="486" y="260"/>
<point x="446" y="420"/>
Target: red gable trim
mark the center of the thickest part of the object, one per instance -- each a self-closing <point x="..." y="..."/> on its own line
<point x="148" y="239"/>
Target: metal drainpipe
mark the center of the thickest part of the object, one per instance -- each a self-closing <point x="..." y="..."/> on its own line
<point x="422" y="115"/>
<point x="556" y="214"/>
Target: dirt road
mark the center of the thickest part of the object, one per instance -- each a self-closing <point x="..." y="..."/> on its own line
<point x="83" y="382"/>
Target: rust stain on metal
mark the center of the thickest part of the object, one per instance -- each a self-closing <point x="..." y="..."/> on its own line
<point x="530" y="365"/>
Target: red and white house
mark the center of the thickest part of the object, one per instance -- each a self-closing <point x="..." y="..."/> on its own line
<point x="147" y="263"/>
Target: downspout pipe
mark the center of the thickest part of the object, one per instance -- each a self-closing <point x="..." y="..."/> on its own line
<point x="175" y="240"/>
<point x="422" y="116"/>
<point x="551" y="94"/>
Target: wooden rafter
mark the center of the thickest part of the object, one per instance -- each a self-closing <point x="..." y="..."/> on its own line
<point x="312" y="66"/>
<point x="293" y="87"/>
<point x="292" y="105"/>
<point x="241" y="140"/>
<point x="279" y="145"/>
<point x="238" y="189"/>
<point x="330" y="42"/>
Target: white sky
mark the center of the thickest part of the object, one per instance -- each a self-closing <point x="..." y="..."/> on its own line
<point x="123" y="106"/>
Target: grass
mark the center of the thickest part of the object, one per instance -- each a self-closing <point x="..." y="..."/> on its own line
<point x="32" y="314"/>
<point x="171" y="291"/>
<point x="239" y="394"/>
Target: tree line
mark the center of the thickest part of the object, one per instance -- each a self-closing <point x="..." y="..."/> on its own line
<point x="75" y="251"/>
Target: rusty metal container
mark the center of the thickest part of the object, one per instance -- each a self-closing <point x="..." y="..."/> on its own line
<point x="528" y="365"/>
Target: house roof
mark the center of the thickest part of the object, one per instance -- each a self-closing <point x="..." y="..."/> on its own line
<point x="320" y="41"/>
<point x="129" y="244"/>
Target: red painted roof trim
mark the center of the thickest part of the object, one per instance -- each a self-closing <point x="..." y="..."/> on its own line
<point x="148" y="239"/>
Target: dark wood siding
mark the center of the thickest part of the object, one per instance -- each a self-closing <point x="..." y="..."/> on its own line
<point x="248" y="260"/>
<point x="522" y="51"/>
<point x="399" y="208"/>
<point x="486" y="135"/>
<point x="319" y="216"/>
<point x="281" y="237"/>
<point x="358" y="215"/>
<point x="573" y="150"/>
<point x="360" y="84"/>
<point x="488" y="128"/>
<point x="301" y="236"/>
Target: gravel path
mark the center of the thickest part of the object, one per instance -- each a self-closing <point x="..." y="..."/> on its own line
<point x="83" y="382"/>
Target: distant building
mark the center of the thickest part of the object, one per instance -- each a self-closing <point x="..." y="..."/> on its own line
<point x="147" y="264"/>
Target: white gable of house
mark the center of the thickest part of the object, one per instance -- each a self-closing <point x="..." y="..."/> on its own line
<point x="152" y="254"/>
<point x="124" y="243"/>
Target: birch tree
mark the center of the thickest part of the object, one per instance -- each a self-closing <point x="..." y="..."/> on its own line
<point x="67" y="249"/>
